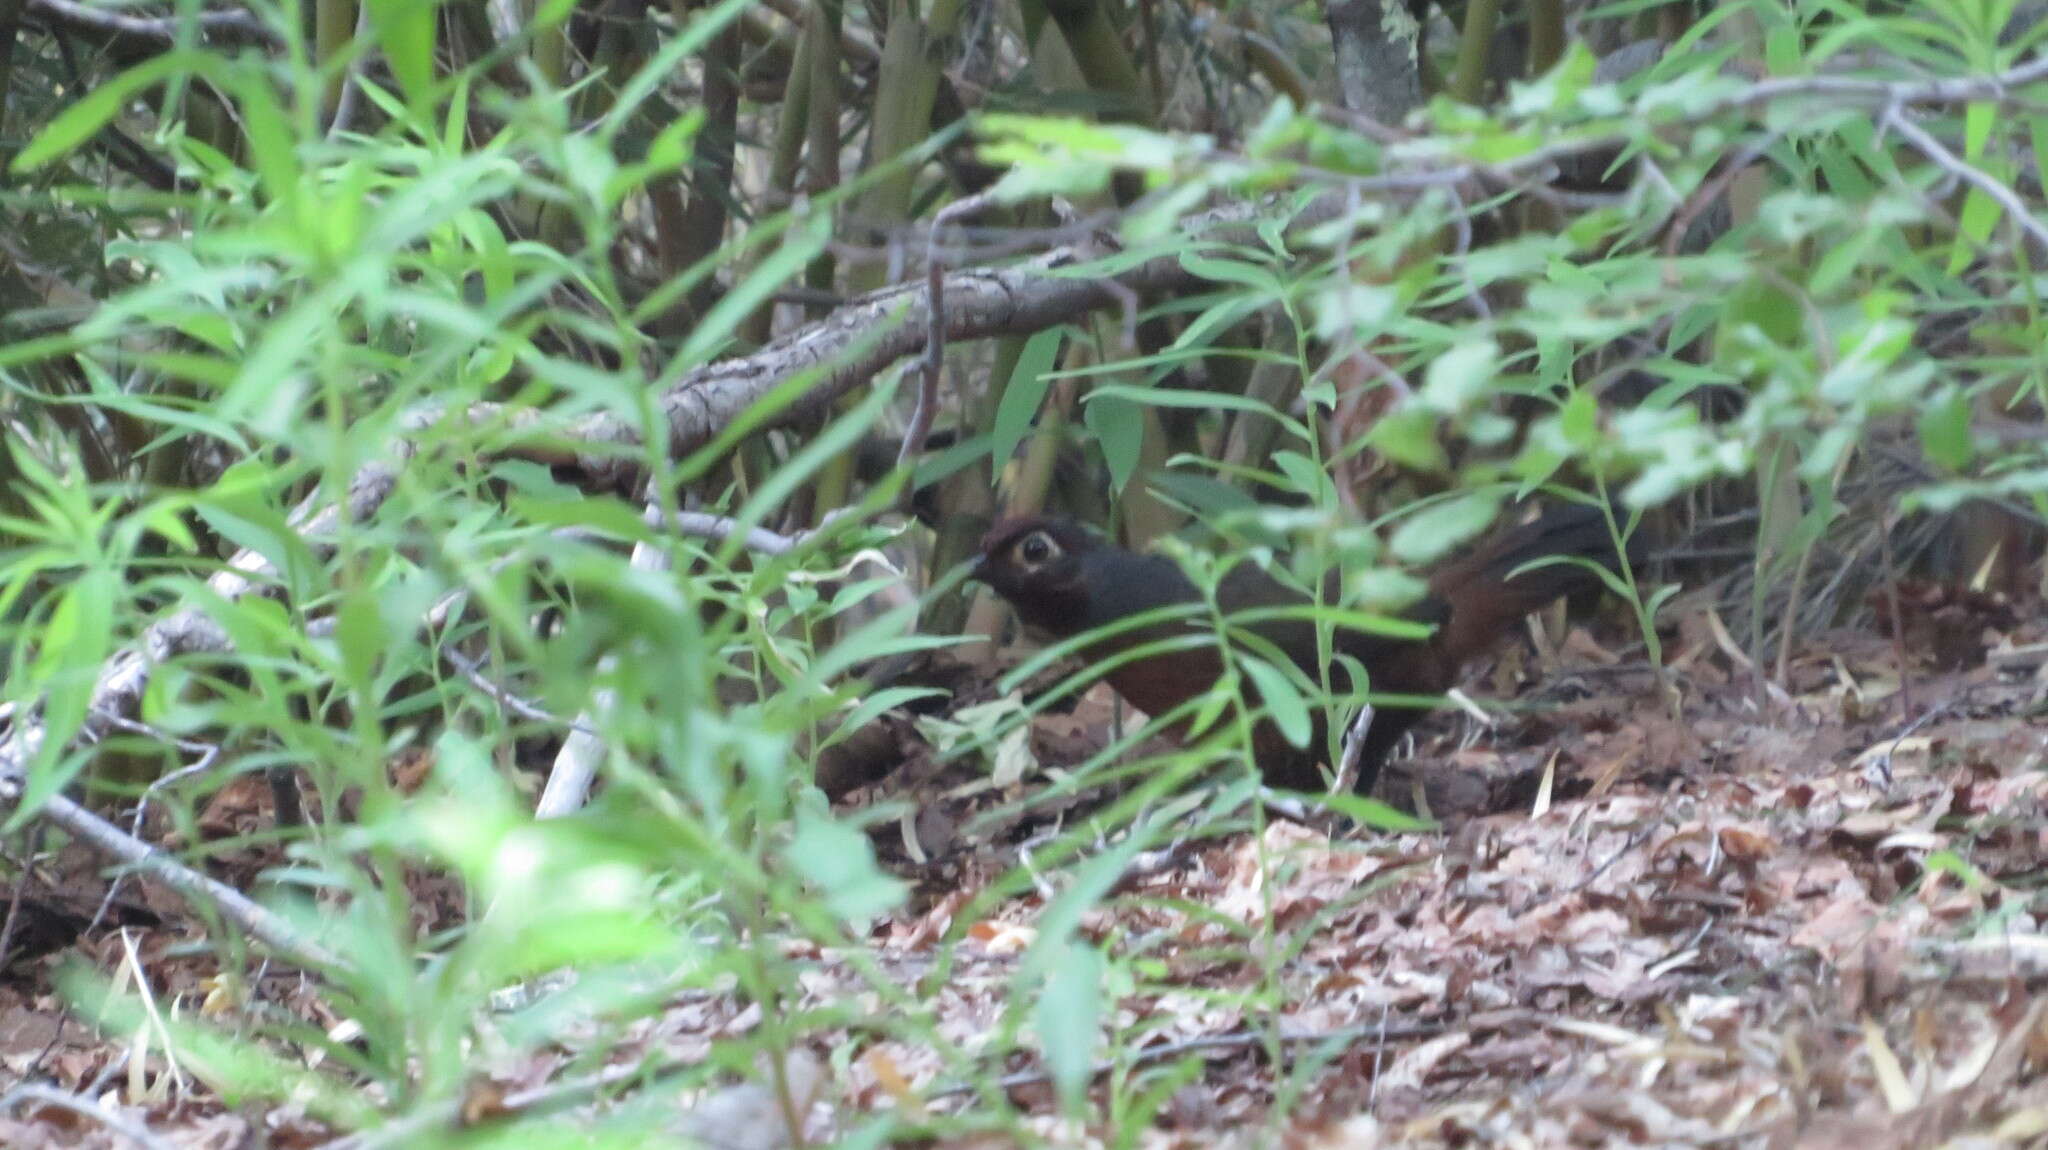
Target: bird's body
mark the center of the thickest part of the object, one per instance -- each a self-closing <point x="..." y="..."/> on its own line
<point x="1064" y="581"/>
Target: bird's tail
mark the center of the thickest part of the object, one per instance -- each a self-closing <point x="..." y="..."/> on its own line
<point x="1488" y="592"/>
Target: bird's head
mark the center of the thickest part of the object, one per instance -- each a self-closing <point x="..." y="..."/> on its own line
<point x="1037" y="565"/>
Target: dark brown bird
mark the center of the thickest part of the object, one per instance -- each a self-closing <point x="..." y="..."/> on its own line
<point x="1064" y="580"/>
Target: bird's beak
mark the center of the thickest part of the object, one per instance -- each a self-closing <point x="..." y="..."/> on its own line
<point x="979" y="572"/>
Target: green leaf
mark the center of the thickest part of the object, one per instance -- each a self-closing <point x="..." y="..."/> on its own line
<point x="1217" y="318"/>
<point x="1945" y="430"/>
<point x="273" y="149"/>
<point x="1443" y="525"/>
<point x="799" y="247"/>
<point x="1374" y="813"/>
<point x="1407" y="435"/>
<point x="839" y="436"/>
<point x="1231" y="272"/>
<point x="1215" y="704"/>
<point x="164" y="519"/>
<point x="1119" y="427"/>
<point x="100" y="105"/>
<point x="1069" y="1021"/>
<point x="1579" y="419"/>
<point x="245" y="520"/>
<point x="73" y="645"/>
<point x="1024" y="394"/>
<point x="840" y="862"/>
<point x="1973" y="226"/>
<point x="1213" y="400"/>
<point x="1346" y="308"/>
<point x="1282" y="701"/>
<point x="2037" y="134"/>
<point x="1459" y="377"/>
<point x="1307" y="478"/>
<point x="359" y="633"/>
<point x="405" y="33"/>
<point x="648" y="79"/>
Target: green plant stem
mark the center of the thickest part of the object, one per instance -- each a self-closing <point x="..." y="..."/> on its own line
<point x="334" y="25"/>
<point x="1546" y="35"/>
<point x="1474" y="46"/>
<point x="790" y="128"/>
<point x="701" y="228"/>
<point x="821" y="131"/>
<point x="907" y="86"/>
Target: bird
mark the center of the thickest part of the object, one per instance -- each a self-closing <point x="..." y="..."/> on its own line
<point x="1064" y="580"/>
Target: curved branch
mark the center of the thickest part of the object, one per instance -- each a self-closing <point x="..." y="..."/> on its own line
<point x="226" y="27"/>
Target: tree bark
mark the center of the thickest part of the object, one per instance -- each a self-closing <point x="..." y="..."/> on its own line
<point x="1377" y="70"/>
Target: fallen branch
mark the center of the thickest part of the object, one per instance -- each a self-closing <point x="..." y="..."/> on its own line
<point x="1380" y="1034"/>
<point x="260" y="922"/>
<point x="222" y="25"/>
<point x="84" y="1107"/>
<point x="856" y="343"/>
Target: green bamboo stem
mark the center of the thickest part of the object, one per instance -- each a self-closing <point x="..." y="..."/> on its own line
<point x="786" y="153"/>
<point x="1546" y="35"/>
<point x="334" y="26"/>
<point x="1481" y="17"/>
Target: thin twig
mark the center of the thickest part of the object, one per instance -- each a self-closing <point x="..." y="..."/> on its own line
<point x="84" y="1107"/>
<point x="406" y="1130"/>
<point x="2000" y="193"/>
<point x="1883" y="762"/>
<point x="1706" y="194"/>
<point x="260" y="922"/>
<point x="1380" y="1032"/>
<point x="1898" y="620"/>
<point x="1461" y="231"/>
<point x="575" y="765"/>
<point x="1635" y="840"/>
<point x="927" y="409"/>
<point x="225" y="25"/>
<point x="351" y="79"/>
<point x="469" y="669"/>
<point x="718" y="528"/>
<point x="28" y="860"/>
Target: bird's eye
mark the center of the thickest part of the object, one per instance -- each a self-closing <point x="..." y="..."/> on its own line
<point x="1037" y="549"/>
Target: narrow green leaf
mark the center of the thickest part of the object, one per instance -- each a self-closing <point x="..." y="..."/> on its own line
<point x="841" y="863"/>
<point x="2037" y="133"/>
<point x="1119" y="427"/>
<point x="1407" y="435"/>
<point x="1231" y="272"/>
<point x="1024" y="394"/>
<point x="1307" y="478"/>
<point x="1069" y="1021"/>
<point x="1374" y="813"/>
<point x="1945" y="430"/>
<point x="1443" y="525"/>
<point x="1974" y="224"/>
<point x="100" y="105"/>
<point x="360" y="635"/>
<point x="273" y="149"/>
<point x="74" y="644"/>
<point x="405" y="33"/>
<point x="799" y="247"/>
<point x="1283" y="702"/>
<point x="1980" y="212"/>
<point x="1459" y="377"/>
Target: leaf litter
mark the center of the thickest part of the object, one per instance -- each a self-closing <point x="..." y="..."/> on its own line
<point x="1805" y="917"/>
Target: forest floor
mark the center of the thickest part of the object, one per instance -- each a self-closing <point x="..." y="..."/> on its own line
<point x="1779" y="916"/>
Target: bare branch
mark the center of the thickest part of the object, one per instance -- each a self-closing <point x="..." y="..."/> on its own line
<point x="110" y="840"/>
<point x="84" y="1107"/>
<point x="223" y="25"/>
<point x="2000" y="193"/>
